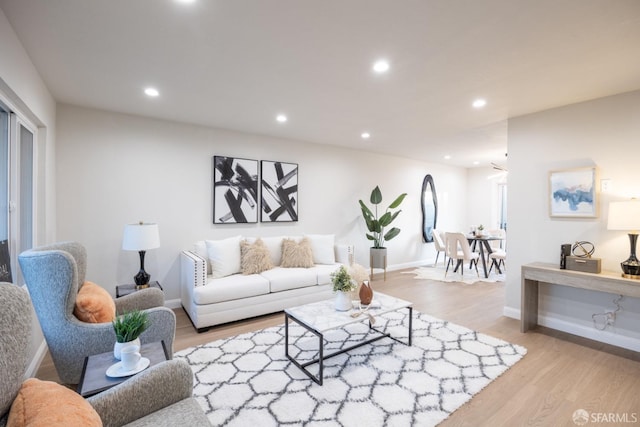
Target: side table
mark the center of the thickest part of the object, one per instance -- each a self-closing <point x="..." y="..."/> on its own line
<point x="122" y="290"/>
<point x="94" y="377"/>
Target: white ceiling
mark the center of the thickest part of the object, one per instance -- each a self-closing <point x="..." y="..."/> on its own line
<point x="235" y="64"/>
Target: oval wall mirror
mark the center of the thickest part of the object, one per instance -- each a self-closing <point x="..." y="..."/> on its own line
<point x="429" y="202"/>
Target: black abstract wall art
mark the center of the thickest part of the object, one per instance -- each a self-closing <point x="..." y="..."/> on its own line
<point x="279" y="191"/>
<point x="235" y="190"/>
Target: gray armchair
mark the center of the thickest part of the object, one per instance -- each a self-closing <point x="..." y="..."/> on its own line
<point x="54" y="274"/>
<point x="159" y="396"/>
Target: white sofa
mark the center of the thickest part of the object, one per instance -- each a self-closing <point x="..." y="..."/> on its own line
<point x="214" y="291"/>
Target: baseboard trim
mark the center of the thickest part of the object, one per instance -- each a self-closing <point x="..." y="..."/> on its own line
<point x="173" y="303"/>
<point x="36" y="361"/>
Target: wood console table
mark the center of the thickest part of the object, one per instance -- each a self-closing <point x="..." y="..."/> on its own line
<point x="538" y="272"/>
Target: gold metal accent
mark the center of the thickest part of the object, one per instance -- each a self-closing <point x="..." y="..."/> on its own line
<point x="138" y="287"/>
<point x="631" y="276"/>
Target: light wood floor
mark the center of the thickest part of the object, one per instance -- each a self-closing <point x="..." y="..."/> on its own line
<point x="560" y="374"/>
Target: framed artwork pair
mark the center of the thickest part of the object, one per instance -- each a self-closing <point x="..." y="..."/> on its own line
<point x="240" y="194"/>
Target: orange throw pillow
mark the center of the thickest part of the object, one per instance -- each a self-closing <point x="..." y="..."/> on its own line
<point x="47" y="404"/>
<point x="94" y="304"/>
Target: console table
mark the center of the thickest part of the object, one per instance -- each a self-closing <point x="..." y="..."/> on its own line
<point x="538" y="272"/>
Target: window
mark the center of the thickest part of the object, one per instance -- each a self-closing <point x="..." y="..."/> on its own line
<point x="17" y="184"/>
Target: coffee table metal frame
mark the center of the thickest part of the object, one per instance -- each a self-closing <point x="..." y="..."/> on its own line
<point x="309" y="326"/>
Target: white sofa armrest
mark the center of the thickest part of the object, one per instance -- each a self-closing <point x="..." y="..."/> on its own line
<point x="345" y="254"/>
<point x="193" y="270"/>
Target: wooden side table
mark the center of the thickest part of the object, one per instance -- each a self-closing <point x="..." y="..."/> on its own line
<point x="94" y="377"/>
<point x="122" y="290"/>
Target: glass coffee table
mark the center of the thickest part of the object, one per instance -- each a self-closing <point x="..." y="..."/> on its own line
<point x="321" y="317"/>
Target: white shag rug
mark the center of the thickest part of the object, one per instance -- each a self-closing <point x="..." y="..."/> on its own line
<point x="247" y="381"/>
<point x="470" y="277"/>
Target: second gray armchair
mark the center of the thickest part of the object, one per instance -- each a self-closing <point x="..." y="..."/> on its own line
<point x="53" y="275"/>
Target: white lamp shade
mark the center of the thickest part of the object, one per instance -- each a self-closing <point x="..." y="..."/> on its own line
<point x="140" y="237"/>
<point x="624" y="215"/>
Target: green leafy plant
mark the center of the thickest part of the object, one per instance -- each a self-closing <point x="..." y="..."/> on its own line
<point x="342" y="280"/>
<point x="375" y="225"/>
<point x="130" y="325"/>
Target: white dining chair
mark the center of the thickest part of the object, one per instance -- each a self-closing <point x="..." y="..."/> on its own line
<point x="499" y="254"/>
<point x="458" y="249"/>
<point x="439" y="245"/>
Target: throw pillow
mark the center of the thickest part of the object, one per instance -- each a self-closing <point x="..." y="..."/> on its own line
<point x="322" y="246"/>
<point x="296" y="254"/>
<point x="254" y="257"/>
<point x="47" y="404"/>
<point x="94" y="304"/>
<point x="224" y="256"/>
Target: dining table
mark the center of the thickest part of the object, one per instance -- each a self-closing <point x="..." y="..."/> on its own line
<point x="482" y="244"/>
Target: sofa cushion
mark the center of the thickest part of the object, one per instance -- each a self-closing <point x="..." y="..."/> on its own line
<point x="323" y="272"/>
<point x="274" y="244"/>
<point x="230" y="288"/>
<point x="322" y="246"/>
<point x="200" y="248"/>
<point x="296" y="254"/>
<point x="254" y="257"/>
<point x="94" y="304"/>
<point x="47" y="404"/>
<point x="282" y="279"/>
<point x="224" y="256"/>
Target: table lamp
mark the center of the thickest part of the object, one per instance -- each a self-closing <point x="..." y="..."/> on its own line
<point x="626" y="216"/>
<point x="141" y="237"/>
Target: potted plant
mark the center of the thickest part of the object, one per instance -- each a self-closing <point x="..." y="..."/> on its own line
<point x="480" y="230"/>
<point x="343" y="284"/>
<point x="128" y="329"/>
<point x="377" y="224"/>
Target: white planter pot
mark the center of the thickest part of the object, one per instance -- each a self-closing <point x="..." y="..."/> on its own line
<point x="343" y="301"/>
<point x="117" y="348"/>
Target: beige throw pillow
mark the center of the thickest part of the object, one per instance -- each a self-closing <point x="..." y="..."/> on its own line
<point x="254" y="257"/>
<point x="296" y="254"/>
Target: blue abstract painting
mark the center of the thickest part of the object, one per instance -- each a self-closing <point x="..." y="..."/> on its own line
<point x="573" y="193"/>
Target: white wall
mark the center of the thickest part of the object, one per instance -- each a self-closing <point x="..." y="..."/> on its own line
<point x="22" y="87"/>
<point x="605" y="133"/>
<point x="115" y="169"/>
<point x="483" y="197"/>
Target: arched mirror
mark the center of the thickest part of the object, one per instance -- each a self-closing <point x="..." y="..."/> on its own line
<point x="429" y="202"/>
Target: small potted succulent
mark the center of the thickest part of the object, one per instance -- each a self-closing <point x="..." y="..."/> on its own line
<point x="128" y="328"/>
<point x="343" y="284"/>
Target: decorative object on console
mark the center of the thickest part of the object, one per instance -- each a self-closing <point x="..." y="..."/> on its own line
<point x="235" y="190"/>
<point x="572" y="193"/>
<point x="279" y="194"/>
<point x="141" y="237"/>
<point x="626" y="216"/>
<point x="581" y="259"/>
<point x="342" y="285"/>
<point x="429" y="204"/>
<point x="128" y="329"/>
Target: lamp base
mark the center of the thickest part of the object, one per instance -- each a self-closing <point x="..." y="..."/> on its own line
<point x="631" y="276"/>
<point x="142" y="279"/>
<point x="138" y="287"/>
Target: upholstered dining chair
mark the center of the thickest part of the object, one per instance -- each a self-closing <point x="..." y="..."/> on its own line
<point x="159" y="396"/>
<point x="54" y="274"/>
<point x="458" y="250"/>
<point x="499" y="254"/>
<point x="439" y="245"/>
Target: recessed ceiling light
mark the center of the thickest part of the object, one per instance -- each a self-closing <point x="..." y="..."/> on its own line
<point x="479" y="103"/>
<point x="151" y="91"/>
<point x="186" y="1"/>
<point x="447" y="157"/>
<point x="281" y="118"/>
<point x="476" y="162"/>
<point x="381" y="66"/>
<point x="365" y="135"/>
